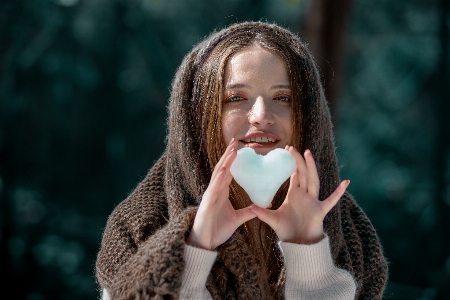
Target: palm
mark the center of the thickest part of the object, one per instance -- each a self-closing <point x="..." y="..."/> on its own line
<point x="224" y="220"/>
<point x="306" y="215"/>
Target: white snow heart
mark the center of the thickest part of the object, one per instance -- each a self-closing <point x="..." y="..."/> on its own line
<point x="262" y="175"/>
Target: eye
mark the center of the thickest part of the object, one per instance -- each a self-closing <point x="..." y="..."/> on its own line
<point x="234" y="99"/>
<point x="283" y="98"/>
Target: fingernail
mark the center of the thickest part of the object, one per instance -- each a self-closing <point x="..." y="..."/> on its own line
<point x="231" y="142"/>
<point x="232" y="149"/>
<point x="348" y="182"/>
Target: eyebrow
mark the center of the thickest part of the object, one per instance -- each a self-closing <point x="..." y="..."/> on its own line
<point x="241" y="85"/>
<point x="236" y="86"/>
<point x="281" y="86"/>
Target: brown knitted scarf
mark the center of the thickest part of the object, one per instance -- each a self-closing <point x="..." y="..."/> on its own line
<point x="141" y="255"/>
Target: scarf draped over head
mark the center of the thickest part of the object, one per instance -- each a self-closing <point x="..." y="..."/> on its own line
<point x="143" y="242"/>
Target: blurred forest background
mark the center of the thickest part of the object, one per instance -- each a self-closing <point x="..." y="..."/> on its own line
<point x="83" y="93"/>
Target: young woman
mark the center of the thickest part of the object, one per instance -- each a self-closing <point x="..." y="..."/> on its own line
<point x="189" y="231"/>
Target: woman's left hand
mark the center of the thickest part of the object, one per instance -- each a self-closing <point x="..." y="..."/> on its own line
<point x="300" y="218"/>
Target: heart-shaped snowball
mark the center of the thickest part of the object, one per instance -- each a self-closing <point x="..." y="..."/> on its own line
<point x="262" y="175"/>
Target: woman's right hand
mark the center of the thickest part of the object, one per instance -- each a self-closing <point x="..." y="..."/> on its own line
<point x="216" y="218"/>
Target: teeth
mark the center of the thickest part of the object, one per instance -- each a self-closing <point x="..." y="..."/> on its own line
<point x="263" y="139"/>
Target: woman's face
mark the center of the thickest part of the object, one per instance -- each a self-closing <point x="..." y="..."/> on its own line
<point x="256" y="100"/>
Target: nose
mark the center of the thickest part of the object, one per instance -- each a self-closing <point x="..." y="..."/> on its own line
<point x="261" y="113"/>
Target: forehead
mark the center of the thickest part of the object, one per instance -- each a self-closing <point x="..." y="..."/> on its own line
<point x="255" y="63"/>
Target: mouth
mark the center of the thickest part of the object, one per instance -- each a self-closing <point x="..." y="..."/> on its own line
<point x="260" y="142"/>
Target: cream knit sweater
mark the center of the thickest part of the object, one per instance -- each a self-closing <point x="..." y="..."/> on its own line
<point x="310" y="273"/>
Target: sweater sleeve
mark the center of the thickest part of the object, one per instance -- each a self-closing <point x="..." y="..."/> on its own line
<point x="105" y="295"/>
<point x="130" y="267"/>
<point x="142" y="248"/>
<point x="198" y="264"/>
<point x="311" y="273"/>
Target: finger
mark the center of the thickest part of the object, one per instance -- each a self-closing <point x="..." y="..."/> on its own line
<point x="243" y="215"/>
<point x="219" y="165"/>
<point x="229" y="148"/>
<point x="301" y="167"/>
<point x="268" y="216"/>
<point x="293" y="187"/>
<point x="227" y="165"/>
<point x="215" y="186"/>
<point x="211" y="194"/>
<point x="331" y="201"/>
<point x="313" y="177"/>
<point x="294" y="183"/>
<point x="223" y="179"/>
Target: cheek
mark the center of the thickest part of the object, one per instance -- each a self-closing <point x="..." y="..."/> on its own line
<point x="231" y="121"/>
<point x="287" y="124"/>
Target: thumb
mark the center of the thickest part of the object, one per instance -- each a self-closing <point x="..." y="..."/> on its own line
<point x="243" y="215"/>
<point x="333" y="199"/>
<point x="266" y="215"/>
